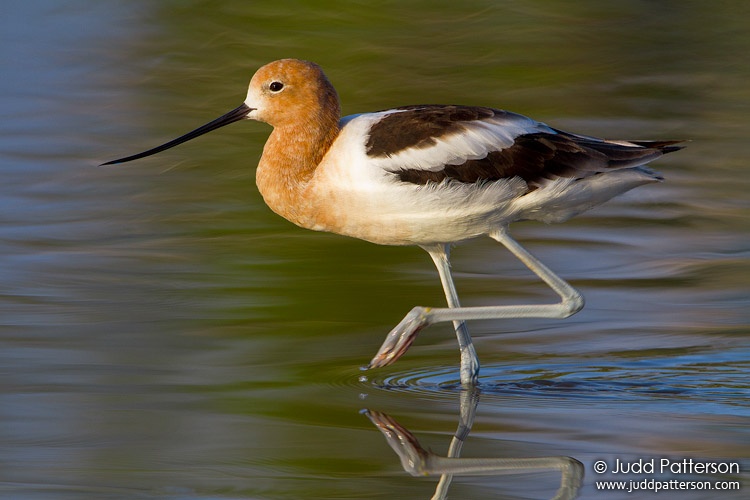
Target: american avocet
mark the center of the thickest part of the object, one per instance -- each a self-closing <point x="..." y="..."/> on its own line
<point x="427" y="175"/>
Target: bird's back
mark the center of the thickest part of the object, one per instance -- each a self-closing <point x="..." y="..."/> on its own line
<point x="440" y="173"/>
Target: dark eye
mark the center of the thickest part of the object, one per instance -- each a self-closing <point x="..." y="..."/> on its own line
<point x="276" y="86"/>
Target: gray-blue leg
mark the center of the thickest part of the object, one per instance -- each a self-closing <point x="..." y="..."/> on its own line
<point x="469" y="360"/>
<point x="402" y="336"/>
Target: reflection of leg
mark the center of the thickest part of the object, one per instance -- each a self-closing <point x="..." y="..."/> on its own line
<point x="571" y="469"/>
<point x="420" y="462"/>
<point x="468" y="409"/>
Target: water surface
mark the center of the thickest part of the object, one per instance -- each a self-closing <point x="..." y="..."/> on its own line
<point x="164" y="335"/>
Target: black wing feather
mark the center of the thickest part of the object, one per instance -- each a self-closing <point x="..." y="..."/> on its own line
<point x="534" y="157"/>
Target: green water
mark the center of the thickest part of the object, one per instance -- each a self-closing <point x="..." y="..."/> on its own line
<point x="163" y="335"/>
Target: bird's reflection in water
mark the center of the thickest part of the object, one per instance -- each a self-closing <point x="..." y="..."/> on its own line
<point x="420" y="462"/>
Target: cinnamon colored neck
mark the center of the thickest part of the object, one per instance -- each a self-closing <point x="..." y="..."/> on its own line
<point x="290" y="157"/>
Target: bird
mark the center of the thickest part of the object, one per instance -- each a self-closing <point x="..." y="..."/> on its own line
<point x="428" y="175"/>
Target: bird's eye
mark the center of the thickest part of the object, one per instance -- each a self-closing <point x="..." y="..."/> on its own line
<point x="276" y="86"/>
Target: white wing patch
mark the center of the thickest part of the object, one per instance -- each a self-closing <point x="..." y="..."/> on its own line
<point x="471" y="141"/>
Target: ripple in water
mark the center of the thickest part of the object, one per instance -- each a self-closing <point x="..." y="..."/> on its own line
<point x="660" y="383"/>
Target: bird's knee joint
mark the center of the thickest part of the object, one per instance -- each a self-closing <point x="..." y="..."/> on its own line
<point x="573" y="304"/>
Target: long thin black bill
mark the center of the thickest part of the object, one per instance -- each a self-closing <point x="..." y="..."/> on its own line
<point x="236" y="114"/>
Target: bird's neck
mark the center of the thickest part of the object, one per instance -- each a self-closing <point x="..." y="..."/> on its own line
<point x="290" y="157"/>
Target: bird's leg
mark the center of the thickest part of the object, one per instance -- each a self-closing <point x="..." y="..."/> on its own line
<point x="403" y="335"/>
<point x="469" y="361"/>
<point x="572" y="300"/>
